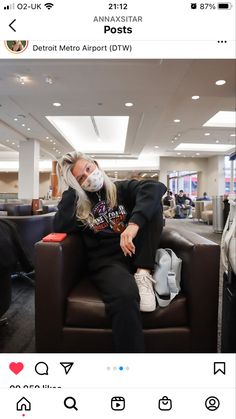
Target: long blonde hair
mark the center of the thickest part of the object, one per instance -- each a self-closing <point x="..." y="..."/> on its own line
<point x="65" y="166"/>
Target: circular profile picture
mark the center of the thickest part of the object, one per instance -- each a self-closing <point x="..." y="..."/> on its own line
<point x="16" y="47"/>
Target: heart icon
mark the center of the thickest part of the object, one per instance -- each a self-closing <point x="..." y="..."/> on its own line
<point x="16" y="367"/>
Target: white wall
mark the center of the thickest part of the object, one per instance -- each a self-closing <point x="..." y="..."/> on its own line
<point x="215" y="175"/>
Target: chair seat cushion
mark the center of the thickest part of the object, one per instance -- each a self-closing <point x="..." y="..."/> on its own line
<point x="85" y="309"/>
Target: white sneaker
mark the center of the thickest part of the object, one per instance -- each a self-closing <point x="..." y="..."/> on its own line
<point x="144" y="282"/>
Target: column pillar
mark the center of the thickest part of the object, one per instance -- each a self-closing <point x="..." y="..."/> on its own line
<point x="54" y="180"/>
<point x="29" y="154"/>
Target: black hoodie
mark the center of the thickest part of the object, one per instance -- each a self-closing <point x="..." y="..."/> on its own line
<point x="138" y="202"/>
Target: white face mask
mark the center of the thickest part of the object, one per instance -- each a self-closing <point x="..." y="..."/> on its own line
<point x="94" y="181"/>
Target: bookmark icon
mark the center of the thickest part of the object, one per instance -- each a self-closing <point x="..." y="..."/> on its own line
<point x="67" y="366"/>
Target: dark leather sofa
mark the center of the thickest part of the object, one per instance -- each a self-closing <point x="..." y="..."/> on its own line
<point x="70" y="316"/>
<point x="14" y="209"/>
<point x="31" y="229"/>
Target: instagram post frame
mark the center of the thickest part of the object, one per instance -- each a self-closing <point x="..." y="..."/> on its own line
<point x="165" y="137"/>
<point x="119" y="150"/>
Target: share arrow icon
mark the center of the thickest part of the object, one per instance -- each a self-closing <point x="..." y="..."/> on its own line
<point x="67" y="366"/>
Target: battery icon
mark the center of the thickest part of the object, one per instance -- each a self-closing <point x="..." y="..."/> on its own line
<point x="224" y="5"/>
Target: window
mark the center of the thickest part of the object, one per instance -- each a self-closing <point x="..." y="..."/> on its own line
<point x="230" y="175"/>
<point x="183" y="180"/>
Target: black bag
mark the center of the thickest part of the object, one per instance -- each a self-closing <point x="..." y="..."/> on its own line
<point x="228" y="338"/>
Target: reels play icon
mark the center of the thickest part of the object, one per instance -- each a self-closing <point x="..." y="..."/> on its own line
<point x="117" y="403"/>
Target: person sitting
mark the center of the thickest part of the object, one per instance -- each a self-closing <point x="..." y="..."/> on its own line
<point x="121" y="224"/>
<point x="205" y="197"/>
<point x="169" y="205"/>
<point x="168" y="198"/>
<point x="183" y="205"/>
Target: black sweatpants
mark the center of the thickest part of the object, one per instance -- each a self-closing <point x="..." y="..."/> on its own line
<point x="118" y="289"/>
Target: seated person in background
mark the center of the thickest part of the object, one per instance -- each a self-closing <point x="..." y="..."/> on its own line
<point x="120" y="224"/>
<point x="169" y="205"/>
<point x="168" y="198"/>
<point x="183" y="205"/>
<point x="205" y="197"/>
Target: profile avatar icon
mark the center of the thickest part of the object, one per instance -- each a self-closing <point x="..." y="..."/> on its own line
<point x="212" y="403"/>
<point x="16" y="47"/>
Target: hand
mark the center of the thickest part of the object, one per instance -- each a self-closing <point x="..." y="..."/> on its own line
<point x="126" y="239"/>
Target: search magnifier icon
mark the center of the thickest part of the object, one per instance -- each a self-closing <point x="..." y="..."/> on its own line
<point x="70" y="403"/>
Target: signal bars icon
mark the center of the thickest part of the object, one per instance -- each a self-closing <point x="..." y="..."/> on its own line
<point x="49" y="5"/>
<point x="9" y="7"/>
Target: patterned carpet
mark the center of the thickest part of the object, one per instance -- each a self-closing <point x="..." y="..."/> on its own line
<point x="18" y="334"/>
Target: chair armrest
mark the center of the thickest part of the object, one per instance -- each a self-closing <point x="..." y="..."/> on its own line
<point x="199" y="282"/>
<point x="58" y="266"/>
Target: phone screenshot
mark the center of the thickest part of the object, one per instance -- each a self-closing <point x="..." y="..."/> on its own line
<point x="117" y="209"/>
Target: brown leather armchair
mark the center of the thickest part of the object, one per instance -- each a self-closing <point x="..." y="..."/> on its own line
<point x="70" y="315"/>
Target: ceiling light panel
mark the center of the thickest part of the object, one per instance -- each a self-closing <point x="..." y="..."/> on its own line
<point x="204" y="147"/>
<point x="109" y="135"/>
<point x="225" y="119"/>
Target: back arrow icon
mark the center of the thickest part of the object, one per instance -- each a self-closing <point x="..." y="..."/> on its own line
<point x="10" y="25"/>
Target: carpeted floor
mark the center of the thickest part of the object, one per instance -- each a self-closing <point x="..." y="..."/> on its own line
<point x="18" y="334"/>
<point x="196" y="227"/>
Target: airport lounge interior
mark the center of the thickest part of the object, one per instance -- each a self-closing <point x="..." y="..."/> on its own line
<point x="161" y="133"/>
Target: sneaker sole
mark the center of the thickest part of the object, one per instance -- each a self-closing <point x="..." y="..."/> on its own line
<point x="147" y="308"/>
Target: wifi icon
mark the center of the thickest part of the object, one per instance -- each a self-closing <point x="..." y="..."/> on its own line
<point x="49" y="5"/>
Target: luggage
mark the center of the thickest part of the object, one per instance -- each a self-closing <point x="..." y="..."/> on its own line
<point x="228" y="338"/>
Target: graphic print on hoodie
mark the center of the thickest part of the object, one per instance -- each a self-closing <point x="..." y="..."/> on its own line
<point x="109" y="220"/>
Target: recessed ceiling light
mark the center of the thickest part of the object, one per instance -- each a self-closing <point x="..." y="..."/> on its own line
<point x="129" y="104"/>
<point x="179" y="135"/>
<point x="23" y="125"/>
<point x="15" y="119"/>
<point x="156" y="146"/>
<point x="7" y="141"/>
<point x="207" y="133"/>
<point x="20" y="80"/>
<point x="197" y="154"/>
<point x="195" y="97"/>
<point x="47" y="138"/>
<point x="48" y="80"/>
<point x="217" y="141"/>
<point x="13" y="143"/>
<point x="232" y="135"/>
<point x="54" y="143"/>
<point x="28" y="129"/>
<point x="220" y="82"/>
<point x="57" y="104"/>
<point x="179" y="154"/>
<point x="172" y="141"/>
<point x="51" y="141"/>
<point x="176" y="120"/>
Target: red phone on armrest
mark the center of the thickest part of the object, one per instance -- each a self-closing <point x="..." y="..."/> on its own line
<point x="54" y="237"/>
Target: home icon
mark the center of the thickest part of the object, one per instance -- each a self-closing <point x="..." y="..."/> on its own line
<point x="23" y="404"/>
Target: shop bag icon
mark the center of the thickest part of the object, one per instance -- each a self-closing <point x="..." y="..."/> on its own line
<point x="165" y="403"/>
